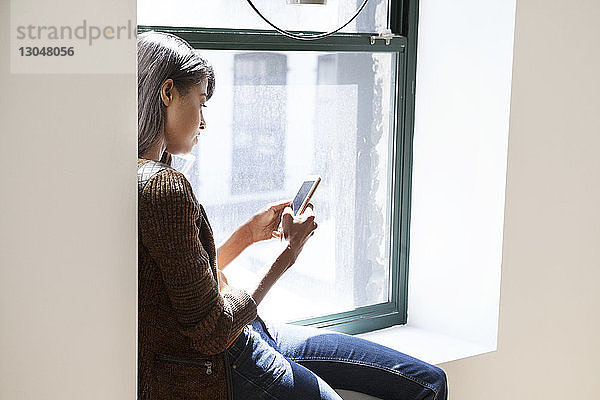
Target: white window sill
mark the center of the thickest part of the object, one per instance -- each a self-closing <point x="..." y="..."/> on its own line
<point x="424" y="344"/>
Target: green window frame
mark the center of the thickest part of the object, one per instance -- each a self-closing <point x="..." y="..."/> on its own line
<point x="402" y="18"/>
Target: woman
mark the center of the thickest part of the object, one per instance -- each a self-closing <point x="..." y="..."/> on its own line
<point x="198" y="337"/>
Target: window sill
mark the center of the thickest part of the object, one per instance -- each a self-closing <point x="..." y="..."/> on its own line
<point x="424" y="344"/>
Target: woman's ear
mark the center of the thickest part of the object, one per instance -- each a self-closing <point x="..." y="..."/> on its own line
<point x="166" y="92"/>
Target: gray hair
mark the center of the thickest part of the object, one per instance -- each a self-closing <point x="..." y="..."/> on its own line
<point x="162" y="56"/>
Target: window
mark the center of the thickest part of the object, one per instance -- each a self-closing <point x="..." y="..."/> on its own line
<point x="258" y="133"/>
<point x="340" y="107"/>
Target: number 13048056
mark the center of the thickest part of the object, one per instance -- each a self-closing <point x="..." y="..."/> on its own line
<point x="47" y="51"/>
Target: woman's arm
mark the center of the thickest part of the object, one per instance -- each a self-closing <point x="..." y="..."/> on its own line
<point x="233" y="246"/>
<point x="262" y="226"/>
<point x="168" y="222"/>
<point x="296" y="230"/>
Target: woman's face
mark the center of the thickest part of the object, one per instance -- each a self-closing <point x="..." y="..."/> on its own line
<point x="183" y="118"/>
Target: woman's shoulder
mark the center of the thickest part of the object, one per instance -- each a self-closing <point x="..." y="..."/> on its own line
<point x="163" y="174"/>
<point x="146" y="163"/>
<point x="160" y="184"/>
<point x="161" y="179"/>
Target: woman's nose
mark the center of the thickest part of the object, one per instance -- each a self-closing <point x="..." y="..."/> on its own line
<point x="202" y="124"/>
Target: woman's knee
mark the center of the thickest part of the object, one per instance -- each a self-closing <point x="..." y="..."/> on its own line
<point x="439" y="381"/>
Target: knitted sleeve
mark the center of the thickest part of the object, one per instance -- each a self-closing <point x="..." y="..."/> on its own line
<point x="170" y="222"/>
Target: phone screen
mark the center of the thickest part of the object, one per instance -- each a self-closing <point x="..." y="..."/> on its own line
<point x="302" y="193"/>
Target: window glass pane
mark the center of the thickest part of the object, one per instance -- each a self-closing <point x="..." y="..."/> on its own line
<point x="238" y="14"/>
<point x="277" y="117"/>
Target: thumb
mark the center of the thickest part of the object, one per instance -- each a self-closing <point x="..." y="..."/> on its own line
<point x="286" y="220"/>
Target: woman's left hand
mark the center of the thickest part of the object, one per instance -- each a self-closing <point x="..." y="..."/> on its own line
<point x="264" y="224"/>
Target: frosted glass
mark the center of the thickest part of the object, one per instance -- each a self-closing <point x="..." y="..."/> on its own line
<point x="275" y="118"/>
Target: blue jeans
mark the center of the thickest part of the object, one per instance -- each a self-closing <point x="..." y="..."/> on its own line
<point x="283" y="362"/>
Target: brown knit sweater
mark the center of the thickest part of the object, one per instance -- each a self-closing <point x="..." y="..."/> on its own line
<point x="185" y="323"/>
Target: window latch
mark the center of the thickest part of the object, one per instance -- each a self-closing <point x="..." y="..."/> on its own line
<point x="386" y="35"/>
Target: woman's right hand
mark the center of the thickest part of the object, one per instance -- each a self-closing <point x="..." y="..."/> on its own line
<point x="297" y="229"/>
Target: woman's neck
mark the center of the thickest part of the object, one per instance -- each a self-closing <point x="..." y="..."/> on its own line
<point x="155" y="152"/>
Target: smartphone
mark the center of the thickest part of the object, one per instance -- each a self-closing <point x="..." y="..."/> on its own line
<point x="307" y="189"/>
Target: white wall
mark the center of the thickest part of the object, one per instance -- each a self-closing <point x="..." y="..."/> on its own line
<point x="548" y="344"/>
<point x="68" y="225"/>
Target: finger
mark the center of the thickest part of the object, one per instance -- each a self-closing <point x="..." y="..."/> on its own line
<point x="287" y="221"/>
<point x="280" y="205"/>
<point x="277" y="209"/>
<point x="277" y="234"/>
<point x="286" y="217"/>
<point x="287" y="211"/>
<point x="308" y="213"/>
<point x="308" y="210"/>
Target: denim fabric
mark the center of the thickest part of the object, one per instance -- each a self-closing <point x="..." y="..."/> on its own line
<point x="278" y="361"/>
